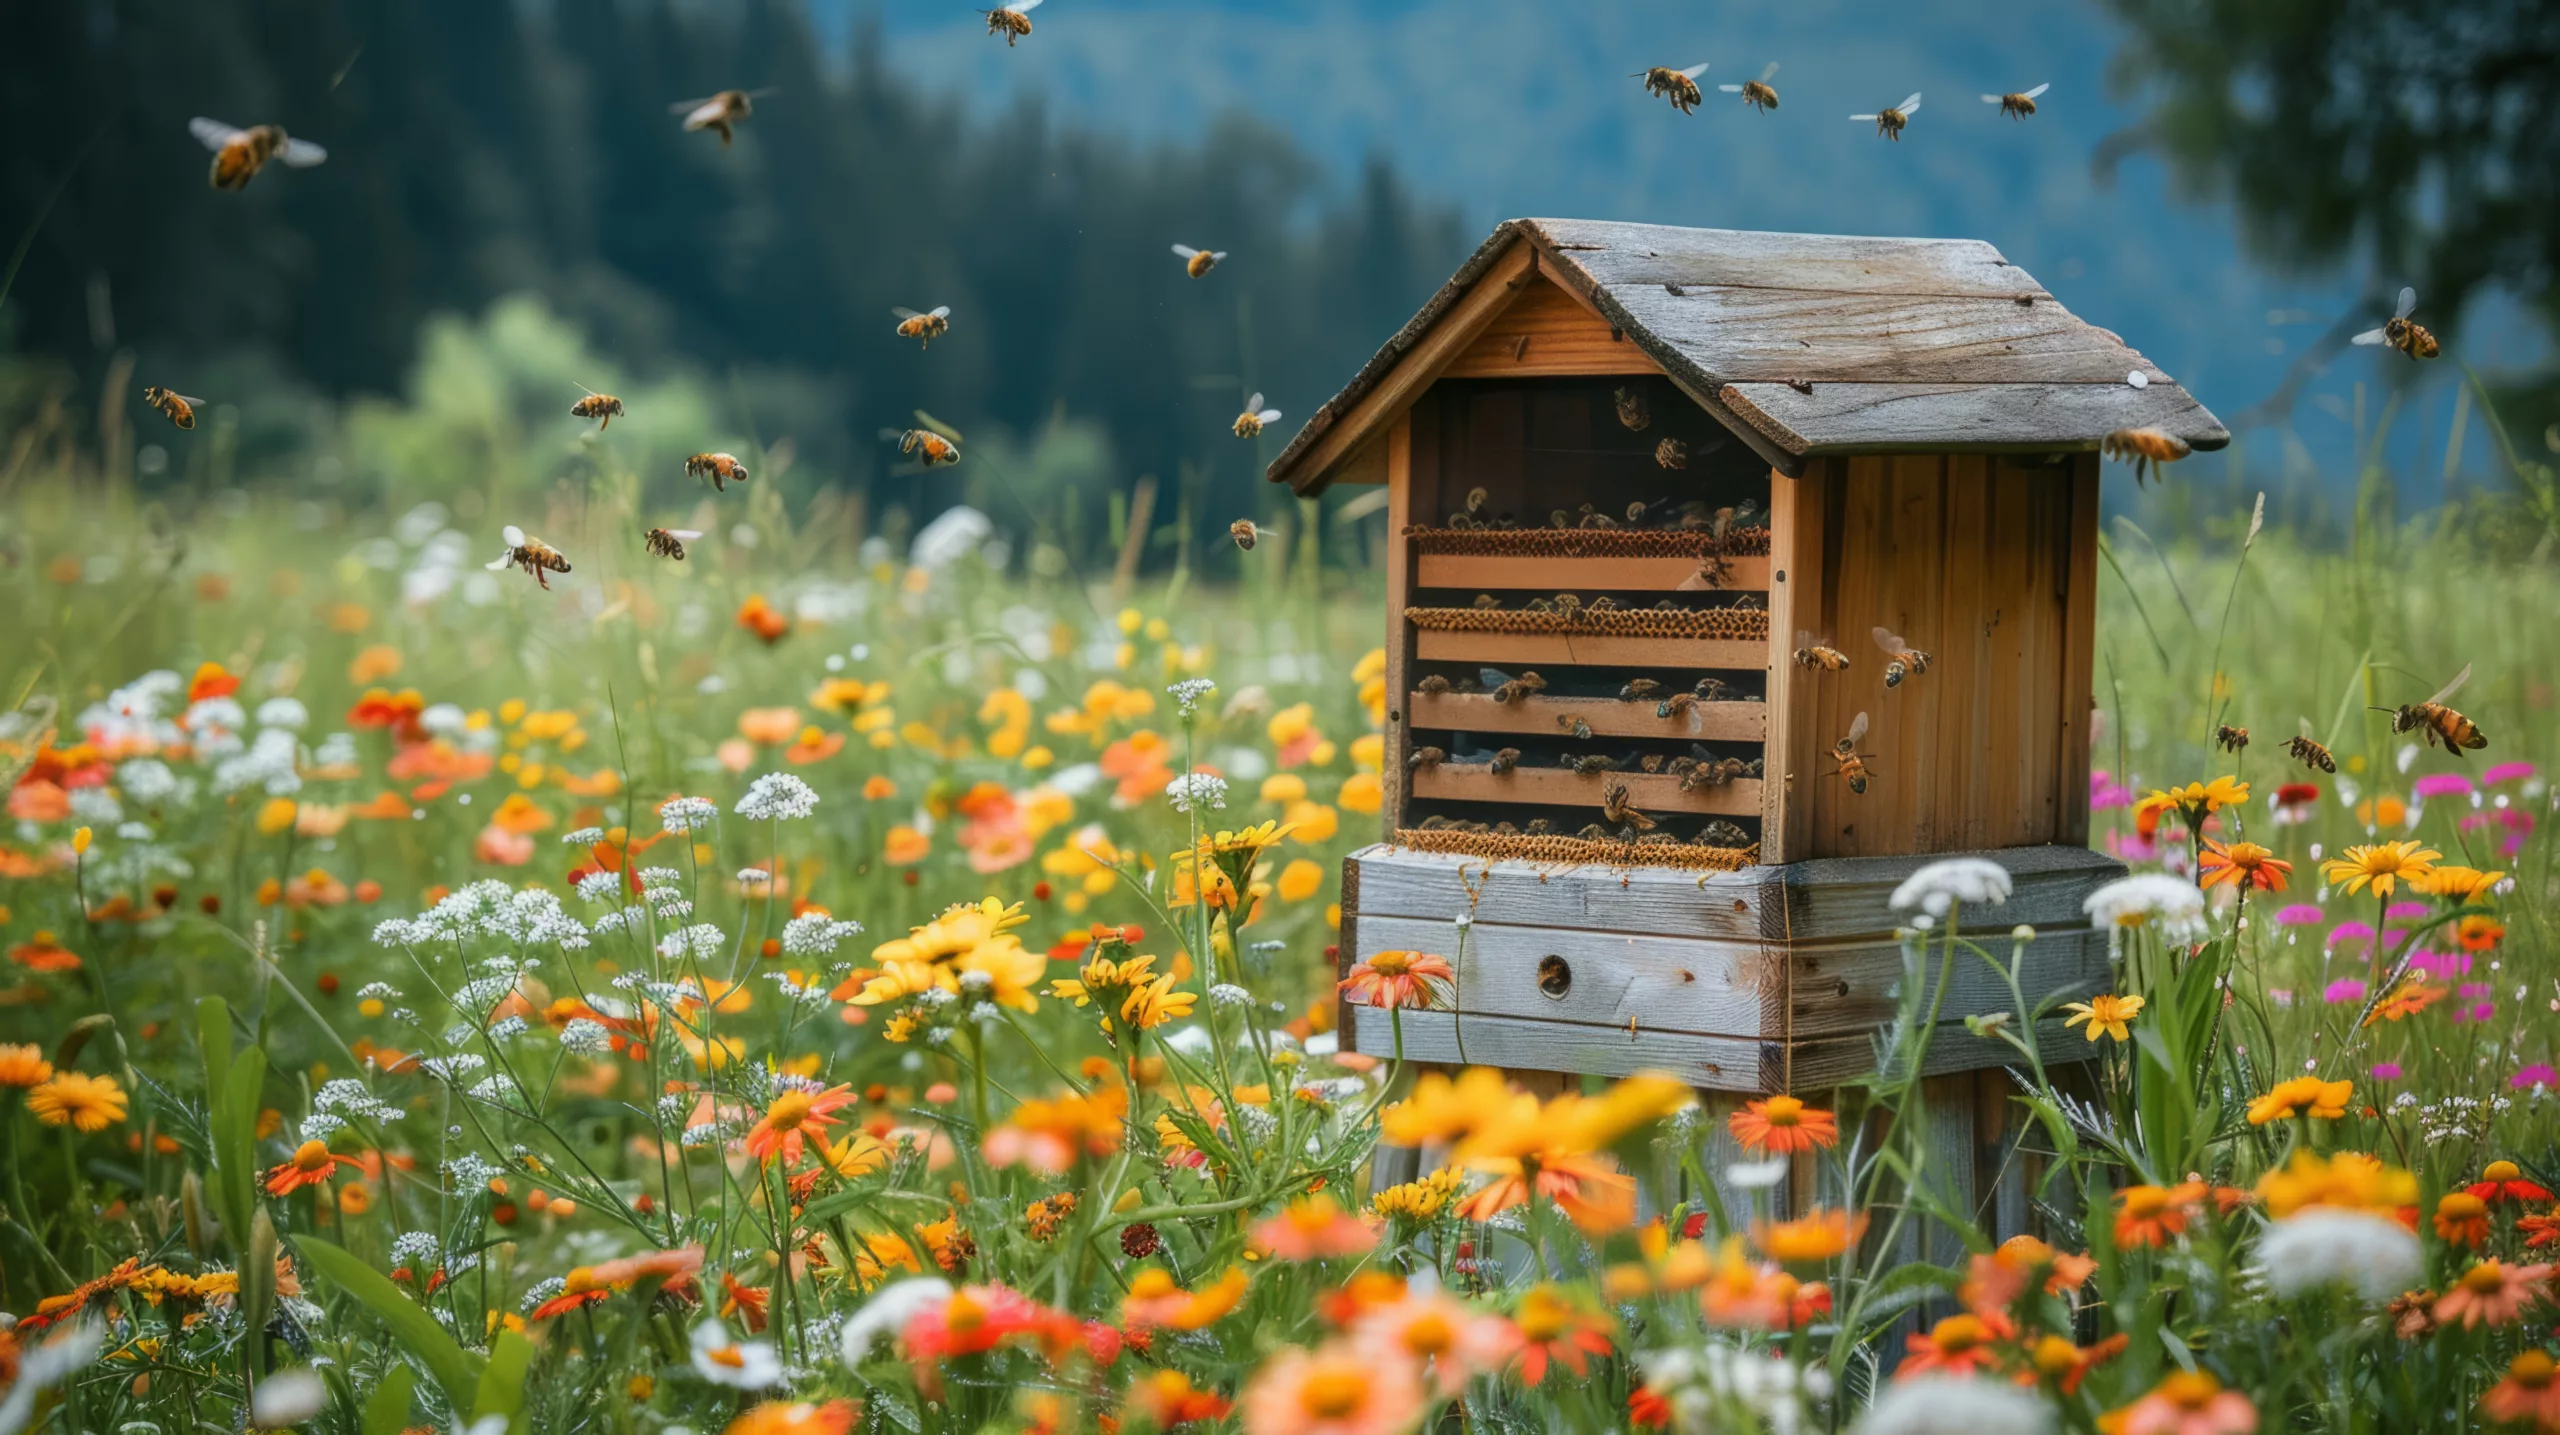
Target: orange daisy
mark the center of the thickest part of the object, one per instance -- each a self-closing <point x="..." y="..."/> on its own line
<point x="1783" y="1125"/>
<point x="1419" y="980"/>
<point x="1554" y="1331"/>
<point x="2462" y="1219"/>
<point x="2504" y="1181"/>
<point x="2153" y="1215"/>
<point x="311" y="1165"/>
<point x="1964" y="1344"/>
<point x="2530" y="1393"/>
<point x="2243" y="865"/>
<point x="795" y="1114"/>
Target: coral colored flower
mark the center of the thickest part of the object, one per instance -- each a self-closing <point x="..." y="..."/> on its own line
<point x="2243" y="864"/>
<point x="2302" y="1096"/>
<point x="2491" y="1293"/>
<point x="77" y="1100"/>
<point x="2529" y="1395"/>
<point x="2057" y="1360"/>
<point x="1166" y="1398"/>
<point x="1811" y="1239"/>
<point x="1782" y="1125"/>
<point x="2153" y="1215"/>
<point x="1419" y="980"/>
<point x="22" y="1066"/>
<point x="1313" y="1228"/>
<point x="2462" y="1218"/>
<point x="813" y="745"/>
<point x="1964" y="1344"/>
<point x="2188" y="1402"/>
<point x="497" y="845"/>
<point x="1154" y="1299"/>
<point x="775" y="1417"/>
<point x="311" y="1165"/>
<point x="1556" y="1331"/>
<point x="1455" y="1341"/>
<point x="2382" y="867"/>
<point x="2106" y="1015"/>
<point x="769" y="727"/>
<point x="41" y="953"/>
<point x="761" y="618"/>
<point x="2502" y="1182"/>
<point x="795" y="1115"/>
<point x="1335" y="1389"/>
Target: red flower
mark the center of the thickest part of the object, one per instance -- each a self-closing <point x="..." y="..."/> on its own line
<point x="787" y="1123"/>
<point x="311" y="1165"/>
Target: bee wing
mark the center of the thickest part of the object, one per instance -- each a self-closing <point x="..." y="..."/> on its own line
<point x="2408" y="303"/>
<point x="1857" y="729"/>
<point x="1268" y="416"/>
<point x="501" y="561"/>
<point x="904" y="313"/>
<point x="1891" y="641"/>
<point x="687" y="534"/>
<point x="699" y="113"/>
<point x="894" y="435"/>
<point x="2370" y="337"/>
<point x="2040" y="89"/>
<point x="690" y="108"/>
<point x="303" y="154"/>
<point x="213" y="134"/>
<point x="1186" y="251"/>
<point x="1022" y="7"/>
<point x="191" y="399"/>
<point x="1869" y="119"/>
<point x="1218" y="255"/>
<point x="1730" y="89"/>
<point x="1693" y="72"/>
<point x="1991" y="99"/>
<point x="943" y="311"/>
<point x="513" y="535"/>
<point x="2455" y="686"/>
<point x="1804" y="637"/>
<point x="1492" y="677"/>
<point x="1769" y="72"/>
<point x="1253" y="403"/>
<point x="1910" y="106"/>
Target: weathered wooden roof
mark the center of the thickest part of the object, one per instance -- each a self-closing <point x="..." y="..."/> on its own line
<point x="1803" y="344"/>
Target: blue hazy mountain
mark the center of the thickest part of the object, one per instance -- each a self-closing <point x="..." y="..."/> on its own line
<point x="1518" y="107"/>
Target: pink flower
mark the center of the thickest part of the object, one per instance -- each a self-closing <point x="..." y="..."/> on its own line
<point x="2507" y="772"/>
<point x="2442" y="784"/>
<point x="2132" y="847"/>
<point x="2346" y="932"/>
<point x="2299" y="914"/>
<point x="2404" y="911"/>
<point x="2105" y="792"/>
<point x="506" y="849"/>
<point x="2443" y="966"/>
<point x="2386" y="1071"/>
<point x="2474" y="1004"/>
<point x="736" y="754"/>
<point x="2340" y="992"/>
<point x="2541" y="1073"/>
<point x="2519" y="825"/>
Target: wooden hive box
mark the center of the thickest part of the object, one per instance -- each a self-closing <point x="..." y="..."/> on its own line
<point x="1649" y="465"/>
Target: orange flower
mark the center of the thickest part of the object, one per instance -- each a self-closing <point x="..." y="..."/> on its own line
<point x="2491" y="1293"/>
<point x="2188" y="1402"/>
<point x="41" y="953"/>
<point x="2530" y="1393"/>
<point x="1336" y="1389"/>
<point x="311" y="1165"/>
<point x="1555" y="1331"/>
<point x="2066" y="1365"/>
<point x="774" y="1417"/>
<point x="1811" y="1239"/>
<point x="1155" y="1300"/>
<point x="1457" y="1341"/>
<point x="2479" y="932"/>
<point x="1401" y="979"/>
<point x="520" y="815"/>
<point x="1958" y="1345"/>
<point x="769" y="727"/>
<point x="760" y="618"/>
<point x="2302" y="1096"/>
<point x="2243" y="864"/>
<point x="212" y="680"/>
<point x="1783" y="1125"/>
<point x="1313" y="1228"/>
<point x="1167" y="1398"/>
<point x="1590" y="1189"/>
<point x="2152" y="1215"/>
<point x="374" y="664"/>
<point x="2462" y="1219"/>
<point x="876" y="788"/>
<point x="22" y="1066"/>
<point x="796" y="1113"/>
<point x="744" y="1304"/>
<point x="813" y="745"/>
<point x="905" y="846"/>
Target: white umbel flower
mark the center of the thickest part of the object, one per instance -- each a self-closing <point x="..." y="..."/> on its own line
<point x="1943" y="1405"/>
<point x="777" y="795"/>
<point x="888" y="1313"/>
<point x="2171" y="906"/>
<point x="740" y="1365"/>
<point x="1196" y="788"/>
<point x="1973" y="881"/>
<point x="2375" y="1256"/>
<point x="286" y="1399"/>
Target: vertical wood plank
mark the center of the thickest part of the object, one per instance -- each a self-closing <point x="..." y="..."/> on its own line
<point x="1403" y="476"/>
<point x="2079" y="654"/>
<point x="1956" y="691"/>
<point x="2001" y="1183"/>
<point x="1799" y="518"/>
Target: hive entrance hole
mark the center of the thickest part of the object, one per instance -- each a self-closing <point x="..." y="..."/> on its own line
<point x="1555" y="977"/>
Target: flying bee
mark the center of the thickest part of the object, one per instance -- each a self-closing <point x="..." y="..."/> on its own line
<point x="1012" y="20"/>
<point x="2018" y="104"/>
<point x="1810" y="654"/>
<point x="2400" y="333"/>
<point x="930" y="448"/>
<point x="722" y="112"/>
<point x="239" y="154"/>
<point x="1432" y="686"/>
<point x="926" y="327"/>
<point x="2440" y="723"/>
<point x="722" y="469"/>
<point x="2147" y="447"/>
<point x="1759" y="93"/>
<point x="603" y="408"/>
<point x="1640" y="690"/>
<point x="1255" y="418"/>
<point x="1423" y="757"/>
<point x="1634" y="414"/>
<point x="669" y="542"/>
<point x="2310" y="754"/>
<point x="1853" y="763"/>
<point x="1680" y="87"/>
<point x="1198" y="262"/>
<point x="2229" y="738"/>
<point x="1672" y="454"/>
<point x="1889" y="123"/>
<point x="1244" y="533"/>
<point x="1575" y="725"/>
<point x="180" y="409"/>
<point x="1504" y="760"/>
<point x="1616" y="808"/>
<point x="1903" y="661"/>
<point x="530" y="554"/>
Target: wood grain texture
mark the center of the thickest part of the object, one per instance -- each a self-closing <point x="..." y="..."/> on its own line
<point x="1516" y="650"/>
<point x="1619" y="255"/>
<point x="1405" y="456"/>
<point x="2023" y="417"/>
<point x="2079" y="641"/>
<point x="1536" y="715"/>
<point x="1548" y="332"/>
<point x="1585" y="575"/>
<point x="1799" y="519"/>
<point x="1823" y="336"/>
<point x="1650" y="792"/>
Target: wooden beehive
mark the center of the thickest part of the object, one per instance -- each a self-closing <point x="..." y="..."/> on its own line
<point x="1870" y="433"/>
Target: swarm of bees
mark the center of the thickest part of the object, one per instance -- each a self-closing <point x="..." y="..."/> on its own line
<point x="1810" y="654"/>
<point x="667" y="542"/>
<point x="2438" y="722"/>
<point x="1901" y="659"/>
<point x="1758" y="94"/>
<point x="1889" y="122"/>
<point x="603" y="408"/>
<point x="1011" y="20"/>
<point x="1198" y="262"/>
<point x="2400" y="332"/>
<point x="722" y="469"/>
<point x="722" y="112"/>
<point x="2309" y="753"/>
<point x="2147" y="447"/>
<point x="2017" y="105"/>
<point x="530" y="554"/>
<point x="2229" y="738"/>
<point x="925" y="327"/>
<point x="929" y="448"/>
<point x="1680" y="87"/>
<point x="180" y="409"/>
<point x="1698" y="772"/>
<point x="1853" y="763"/>
<point x="239" y="154"/>
<point x="1255" y="418"/>
<point x="1244" y="533"/>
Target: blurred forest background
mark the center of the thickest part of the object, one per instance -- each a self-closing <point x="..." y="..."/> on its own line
<point x="510" y="211"/>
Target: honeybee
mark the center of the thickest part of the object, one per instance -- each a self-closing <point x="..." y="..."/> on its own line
<point x="1578" y="727"/>
<point x="2309" y="753"/>
<point x="1244" y="533"/>
<point x="722" y="112"/>
<point x="1504" y="760"/>
<point x="926" y="327"/>
<point x="603" y="408"/>
<point x="1640" y="690"/>
<point x="1759" y="93"/>
<point x="1615" y="807"/>
<point x="930" y="448"/>
<point x="1508" y="689"/>
<point x="1012" y="20"/>
<point x="2229" y="738"/>
<point x="1486" y="603"/>
<point x="669" y="542"/>
<point x="1675" y="705"/>
<point x="1711" y="774"/>
<point x="1198" y="262"/>
<point x="722" y="469"/>
<point x="1810" y="654"/>
<point x="1422" y="757"/>
<point x="2400" y="333"/>
<point x="1903" y="661"/>
<point x="1713" y="690"/>
<point x="2441" y="723"/>
<point x="1634" y="414"/>
<point x="1672" y="454"/>
<point x="1889" y="123"/>
<point x="238" y="155"/>
<point x="180" y="409"/>
<point x="1592" y="764"/>
<point x="530" y="554"/>
<point x="2019" y="104"/>
<point x="1721" y="833"/>
<point x="1255" y="418"/>
<point x="1680" y="87"/>
<point x="2147" y="447"/>
<point x="1853" y="763"/>
<point x="1432" y="686"/>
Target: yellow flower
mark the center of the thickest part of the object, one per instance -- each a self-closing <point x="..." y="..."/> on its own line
<point x="2302" y="1096"/>
<point x="1316" y="822"/>
<point x="1010" y="970"/>
<point x="1290" y="723"/>
<point x="2349" y="1179"/>
<point x="1372" y="664"/>
<point x="2105" y="1014"/>
<point x="2459" y="884"/>
<point x="1421" y="1200"/>
<point x="1300" y="880"/>
<point x="24" y="1066"/>
<point x="80" y="841"/>
<point x="77" y="1100"/>
<point x="2382" y="866"/>
<point x="1156" y="1003"/>
<point x="1363" y="792"/>
<point x="1284" y="787"/>
<point x="275" y="816"/>
<point x="1369" y="752"/>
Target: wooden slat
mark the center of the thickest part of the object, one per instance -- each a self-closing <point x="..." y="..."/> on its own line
<point x="1623" y="254"/>
<point x="1799" y="513"/>
<point x="1438" y="887"/>
<point x="1589" y="650"/>
<point x="1400" y="464"/>
<point x="2018" y="418"/>
<point x="1586" y="575"/>
<point x="2079" y="641"/>
<point x="1841" y="899"/>
<point x="1652" y="793"/>
<point x="1766" y="335"/>
<point x="1608" y="717"/>
<point x="1548" y="332"/>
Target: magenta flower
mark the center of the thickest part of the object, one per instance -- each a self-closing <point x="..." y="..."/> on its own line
<point x="2403" y="911"/>
<point x="2346" y="932"/>
<point x="2300" y="914"/>
<point x="2442" y="784"/>
<point x="2105" y="792"/>
<point x="2386" y="1071"/>
<point x="2541" y="1073"/>
<point x="2508" y="772"/>
<point x="2519" y="825"/>
<point x="2132" y="847"/>
<point x="2342" y="991"/>
<point x="2442" y="966"/>
<point x="2472" y="1004"/>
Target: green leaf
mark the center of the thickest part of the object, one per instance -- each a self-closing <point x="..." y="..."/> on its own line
<point x="386" y="1411"/>
<point x="258" y="1285"/>
<point x="235" y="1142"/>
<point x="455" y="1369"/>
<point x="213" y="1034"/>
<point x="502" y="1382"/>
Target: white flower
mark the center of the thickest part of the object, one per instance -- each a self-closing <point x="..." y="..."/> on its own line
<point x="42" y="1367"/>
<point x="889" y="1311"/>
<point x="283" y="713"/>
<point x="741" y="1365"/>
<point x="753" y="876"/>
<point x="777" y="795"/>
<point x="1206" y="789"/>
<point x="688" y="814"/>
<point x="585" y="1035"/>
<point x="286" y="1399"/>
<point x="2170" y="905"/>
<point x="2374" y="1255"/>
<point x="146" y="780"/>
<point x="416" y="1248"/>
<point x="1757" y="1175"/>
<point x="815" y="934"/>
<point x="1945" y="1405"/>
<point x="953" y="534"/>
<point x="583" y="837"/>
<point x="1228" y="994"/>
<point x="1188" y="693"/>
<point x="1974" y="881"/>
